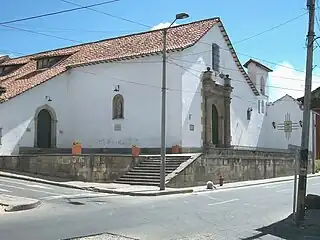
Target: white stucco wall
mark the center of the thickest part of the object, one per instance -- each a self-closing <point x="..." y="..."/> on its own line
<point x="256" y="73"/>
<point x="195" y="60"/>
<point x="140" y="85"/>
<point x="17" y="114"/>
<point x="82" y="100"/>
<point x="275" y="138"/>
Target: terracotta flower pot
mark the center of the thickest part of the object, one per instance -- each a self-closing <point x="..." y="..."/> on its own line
<point x="76" y="149"/>
<point x="176" y="149"/>
<point x="135" y="151"/>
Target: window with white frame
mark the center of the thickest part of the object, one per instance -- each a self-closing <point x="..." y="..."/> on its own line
<point x="262" y="106"/>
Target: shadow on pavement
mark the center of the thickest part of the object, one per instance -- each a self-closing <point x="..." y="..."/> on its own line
<point x="287" y="229"/>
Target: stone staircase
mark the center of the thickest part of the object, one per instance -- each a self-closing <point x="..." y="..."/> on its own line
<point x="147" y="172"/>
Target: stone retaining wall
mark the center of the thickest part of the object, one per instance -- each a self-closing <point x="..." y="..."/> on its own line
<point x="234" y="165"/>
<point x="98" y="168"/>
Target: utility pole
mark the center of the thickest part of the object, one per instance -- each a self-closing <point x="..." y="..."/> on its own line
<point x="303" y="164"/>
<point x="313" y="141"/>
<point x="164" y="101"/>
<point x="163" y="111"/>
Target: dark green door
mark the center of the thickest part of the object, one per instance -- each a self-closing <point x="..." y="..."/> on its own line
<point x="215" y="119"/>
<point x="44" y="129"/>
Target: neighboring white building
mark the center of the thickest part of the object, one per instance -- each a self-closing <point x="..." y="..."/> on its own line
<point x="107" y="94"/>
<point x="274" y="134"/>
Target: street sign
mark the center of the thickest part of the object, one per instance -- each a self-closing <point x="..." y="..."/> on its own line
<point x="288" y="126"/>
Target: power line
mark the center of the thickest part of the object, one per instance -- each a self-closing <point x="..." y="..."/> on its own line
<point x="236" y="80"/>
<point x="39" y="33"/>
<point x="58" y="12"/>
<point x="48" y="29"/>
<point x="237" y="70"/>
<point x="246" y="55"/>
<point x="158" y="87"/>
<point x="107" y="14"/>
<point x="270" y="29"/>
<point x="169" y="89"/>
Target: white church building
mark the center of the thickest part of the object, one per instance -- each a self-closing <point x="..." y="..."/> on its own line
<point x="107" y="94"/>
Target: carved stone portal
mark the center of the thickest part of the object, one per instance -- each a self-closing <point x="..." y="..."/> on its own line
<point x="215" y="111"/>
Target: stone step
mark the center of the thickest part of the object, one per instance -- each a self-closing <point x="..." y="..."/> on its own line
<point x="139" y="180"/>
<point x="138" y="183"/>
<point x="144" y="177"/>
<point x="158" y="165"/>
<point x="158" y="162"/>
<point x="135" y="173"/>
<point x="169" y="158"/>
<point x="155" y="168"/>
<point x="148" y="170"/>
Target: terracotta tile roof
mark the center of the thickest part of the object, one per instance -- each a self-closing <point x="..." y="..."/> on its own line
<point x="115" y="49"/>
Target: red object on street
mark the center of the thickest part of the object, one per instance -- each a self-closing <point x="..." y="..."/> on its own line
<point x="221" y="180"/>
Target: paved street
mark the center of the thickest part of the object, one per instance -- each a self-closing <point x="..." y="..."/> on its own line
<point x="39" y="191"/>
<point x="223" y="214"/>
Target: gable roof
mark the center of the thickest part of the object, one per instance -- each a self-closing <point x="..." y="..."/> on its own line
<point x="315" y="94"/>
<point x="258" y="64"/>
<point x="289" y="97"/>
<point x="126" y="47"/>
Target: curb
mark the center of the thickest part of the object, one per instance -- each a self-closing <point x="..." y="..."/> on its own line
<point x="152" y="193"/>
<point x="146" y="194"/>
<point x="263" y="183"/>
<point x="93" y="189"/>
<point x="21" y="207"/>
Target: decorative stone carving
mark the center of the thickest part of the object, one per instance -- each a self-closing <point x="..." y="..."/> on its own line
<point x="219" y="96"/>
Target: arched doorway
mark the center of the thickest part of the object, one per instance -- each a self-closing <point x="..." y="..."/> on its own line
<point x="214" y="121"/>
<point x="44" y="129"/>
<point x="45" y="124"/>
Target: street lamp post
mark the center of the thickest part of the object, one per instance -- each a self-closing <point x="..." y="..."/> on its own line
<point x="163" y="100"/>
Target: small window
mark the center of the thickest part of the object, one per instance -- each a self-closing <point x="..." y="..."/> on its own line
<point x="249" y="111"/>
<point x="117" y="107"/>
<point x="266" y="108"/>
<point x="262" y="106"/>
<point x="0" y="136"/>
<point x="262" y="86"/>
<point x="47" y="62"/>
<point x="191" y="127"/>
<point x="258" y="106"/>
<point x="7" y="69"/>
<point x="215" y="57"/>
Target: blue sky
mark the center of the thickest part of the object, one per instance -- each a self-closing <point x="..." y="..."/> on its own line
<point x="242" y="19"/>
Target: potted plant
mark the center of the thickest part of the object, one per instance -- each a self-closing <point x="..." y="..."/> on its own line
<point x="76" y="148"/>
<point x="176" y="149"/>
<point x="135" y="150"/>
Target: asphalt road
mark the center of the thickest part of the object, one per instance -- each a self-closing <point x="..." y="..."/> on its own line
<point x="223" y="214"/>
<point x="40" y="191"/>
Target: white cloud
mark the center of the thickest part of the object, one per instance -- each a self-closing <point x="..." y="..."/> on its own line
<point x="162" y="25"/>
<point x="286" y="80"/>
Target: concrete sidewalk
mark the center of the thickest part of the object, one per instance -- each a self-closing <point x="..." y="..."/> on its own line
<point x="14" y="203"/>
<point x="135" y="190"/>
